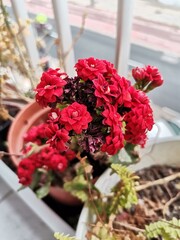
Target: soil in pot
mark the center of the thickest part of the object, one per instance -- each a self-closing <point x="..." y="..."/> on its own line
<point x="157" y="202"/>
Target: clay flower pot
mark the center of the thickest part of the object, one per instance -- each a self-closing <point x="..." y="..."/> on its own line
<point x="64" y="197"/>
<point x="32" y="114"/>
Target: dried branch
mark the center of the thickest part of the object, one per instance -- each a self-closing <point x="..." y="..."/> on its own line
<point x="2" y="153"/>
<point x="160" y="181"/>
<point x="17" y="45"/>
<point x="128" y="226"/>
<point x="172" y="200"/>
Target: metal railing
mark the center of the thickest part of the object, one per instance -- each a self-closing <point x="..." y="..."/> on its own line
<point x="60" y="10"/>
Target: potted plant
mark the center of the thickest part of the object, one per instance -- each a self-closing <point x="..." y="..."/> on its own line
<point x="93" y="115"/>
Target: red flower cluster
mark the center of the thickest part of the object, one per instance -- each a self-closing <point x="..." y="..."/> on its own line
<point x="100" y="105"/>
<point x="47" y="158"/>
<point x="147" y="78"/>
<point x="97" y="110"/>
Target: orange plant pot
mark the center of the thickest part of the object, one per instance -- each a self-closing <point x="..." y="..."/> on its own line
<point x="32" y="114"/>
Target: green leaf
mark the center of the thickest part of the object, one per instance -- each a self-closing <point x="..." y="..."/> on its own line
<point x="44" y="190"/>
<point x="124" y="192"/>
<point x="126" y="156"/>
<point x="36" y="179"/>
<point x="132" y="152"/>
<point x="21" y="188"/>
<point x="78" y="187"/>
<point x="168" y="230"/>
<point x="61" y="236"/>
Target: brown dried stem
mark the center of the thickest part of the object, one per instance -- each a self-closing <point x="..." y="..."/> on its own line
<point x="128" y="226"/>
<point x="172" y="200"/>
<point x="16" y="43"/>
<point x="160" y="181"/>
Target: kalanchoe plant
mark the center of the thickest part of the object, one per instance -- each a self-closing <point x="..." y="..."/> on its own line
<point x="96" y="111"/>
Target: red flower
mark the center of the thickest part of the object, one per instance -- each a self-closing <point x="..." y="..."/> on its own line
<point x="25" y="171"/>
<point x="54" y="115"/>
<point x="110" y="70"/>
<point x="51" y="129"/>
<point x="104" y="90"/>
<point x="75" y="117"/>
<point x="50" y="88"/>
<point x="124" y="96"/>
<point x="90" y="68"/>
<point x="58" y="162"/>
<point x="62" y="136"/>
<point x="147" y="78"/>
<point x="138" y="74"/>
<point x="138" y="121"/>
<point x="113" y="90"/>
<point x="36" y="134"/>
<point x="44" y="156"/>
<point x="70" y="155"/>
<point x="112" y="117"/>
<point x="114" y="142"/>
<point x="57" y="138"/>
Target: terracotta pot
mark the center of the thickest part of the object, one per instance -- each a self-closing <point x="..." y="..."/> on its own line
<point x="64" y="197"/>
<point x="32" y="114"/>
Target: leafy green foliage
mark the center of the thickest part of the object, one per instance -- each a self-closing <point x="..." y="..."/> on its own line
<point x="168" y="230"/>
<point x="124" y="192"/>
<point x="44" y="190"/>
<point x="78" y="187"/>
<point x="126" y="156"/>
<point x="41" y="191"/>
<point x="60" y="236"/>
<point x="133" y="154"/>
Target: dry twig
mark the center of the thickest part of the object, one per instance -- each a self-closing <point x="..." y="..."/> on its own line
<point x="166" y="206"/>
<point x="160" y="181"/>
<point x="128" y="226"/>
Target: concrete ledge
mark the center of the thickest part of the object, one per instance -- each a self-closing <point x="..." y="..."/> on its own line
<point x="23" y="215"/>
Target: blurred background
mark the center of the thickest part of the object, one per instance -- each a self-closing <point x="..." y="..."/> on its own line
<point x="149" y="33"/>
